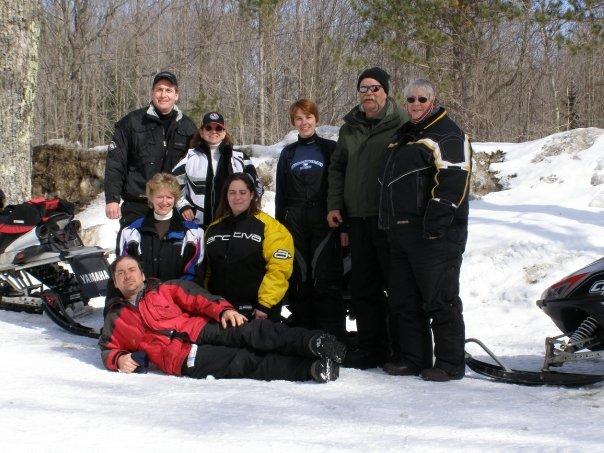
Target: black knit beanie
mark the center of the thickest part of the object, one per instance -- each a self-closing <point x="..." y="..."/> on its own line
<point x="378" y="74"/>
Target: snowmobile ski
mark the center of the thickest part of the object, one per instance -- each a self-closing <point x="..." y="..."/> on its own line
<point x="502" y="373"/>
<point x="56" y="311"/>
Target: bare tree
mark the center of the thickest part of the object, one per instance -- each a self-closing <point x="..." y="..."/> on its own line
<point x="19" y="33"/>
<point x="506" y="69"/>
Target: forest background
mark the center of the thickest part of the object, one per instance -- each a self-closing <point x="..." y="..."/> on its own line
<point x="506" y="70"/>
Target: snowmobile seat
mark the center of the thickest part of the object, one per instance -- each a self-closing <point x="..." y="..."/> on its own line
<point x="16" y="220"/>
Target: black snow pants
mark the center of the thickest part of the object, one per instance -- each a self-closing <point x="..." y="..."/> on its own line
<point x="315" y="288"/>
<point x="369" y="253"/>
<point x="259" y="349"/>
<point x="424" y="296"/>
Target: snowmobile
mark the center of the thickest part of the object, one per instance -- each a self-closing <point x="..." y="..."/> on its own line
<point x="576" y="305"/>
<point x="45" y="266"/>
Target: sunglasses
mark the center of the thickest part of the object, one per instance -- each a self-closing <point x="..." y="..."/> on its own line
<point x="369" y="88"/>
<point x="217" y="128"/>
<point x="420" y="99"/>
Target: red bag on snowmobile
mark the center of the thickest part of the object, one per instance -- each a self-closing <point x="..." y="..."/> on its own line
<point x="20" y="218"/>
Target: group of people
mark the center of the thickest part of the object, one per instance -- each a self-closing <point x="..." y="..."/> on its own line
<point x="202" y="271"/>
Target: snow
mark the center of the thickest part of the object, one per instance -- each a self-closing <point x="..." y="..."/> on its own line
<point x="56" y="395"/>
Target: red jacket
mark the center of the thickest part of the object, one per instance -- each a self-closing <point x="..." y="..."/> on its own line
<point x="175" y="305"/>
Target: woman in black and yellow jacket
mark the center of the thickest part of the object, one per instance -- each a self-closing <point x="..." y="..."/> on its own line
<point x="249" y="254"/>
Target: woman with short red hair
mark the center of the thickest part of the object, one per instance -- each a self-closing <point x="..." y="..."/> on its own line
<point x="315" y="298"/>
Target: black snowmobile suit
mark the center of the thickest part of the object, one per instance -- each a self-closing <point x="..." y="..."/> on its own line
<point x="142" y="146"/>
<point x="315" y="297"/>
<point x="424" y="207"/>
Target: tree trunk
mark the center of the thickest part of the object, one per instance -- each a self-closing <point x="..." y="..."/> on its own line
<point x="571" y="109"/>
<point x="19" y="33"/>
<point x="261" y="87"/>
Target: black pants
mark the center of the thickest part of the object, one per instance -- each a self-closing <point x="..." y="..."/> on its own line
<point x="369" y="253"/>
<point x="424" y="296"/>
<point x="315" y="290"/>
<point x="259" y="349"/>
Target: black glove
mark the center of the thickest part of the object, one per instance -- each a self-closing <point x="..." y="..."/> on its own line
<point x="141" y="358"/>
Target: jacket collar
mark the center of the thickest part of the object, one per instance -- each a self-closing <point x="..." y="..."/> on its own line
<point x="148" y="226"/>
<point x="427" y="122"/>
<point x="153" y="113"/>
<point x="223" y="148"/>
<point x="307" y="140"/>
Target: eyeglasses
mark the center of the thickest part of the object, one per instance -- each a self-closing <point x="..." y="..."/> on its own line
<point x="420" y="99"/>
<point x="217" y="128"/>
<point x="369" y="88"/>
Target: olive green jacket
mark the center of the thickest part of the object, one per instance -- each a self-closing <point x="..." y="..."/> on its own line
<point x="358" y="159"/>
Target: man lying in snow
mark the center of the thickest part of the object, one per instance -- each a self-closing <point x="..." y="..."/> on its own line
<point x="183" y="330"/>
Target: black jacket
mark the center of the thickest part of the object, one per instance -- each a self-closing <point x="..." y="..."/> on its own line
<point x="426" y="176"/>
<point x="287" y="192"/>
<point x="177" y="255"/>
<point x="250" y="259"/>
<point x="140" y="149"/>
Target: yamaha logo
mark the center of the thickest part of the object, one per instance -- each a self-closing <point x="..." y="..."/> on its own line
<point x="93" y="277"/>
<point x="281" y="254"/>
<point x="597" y="287"/>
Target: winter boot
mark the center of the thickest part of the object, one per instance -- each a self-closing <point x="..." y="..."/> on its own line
<point x="439" y="375"/>
<point x="324" y="370"/>
<point x="327" y="346"/>
<point x="400" y="369"/>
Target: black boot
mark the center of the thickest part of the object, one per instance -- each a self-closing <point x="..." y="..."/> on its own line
<point x="440" y="375"/>
<point x="324" y="370"/>
<point x="400" y="369"/>
<point x="327" y="346"/>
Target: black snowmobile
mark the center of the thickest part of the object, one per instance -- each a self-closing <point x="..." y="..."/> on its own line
<point x="44" y="265"/>
<point x="576" y="305"/>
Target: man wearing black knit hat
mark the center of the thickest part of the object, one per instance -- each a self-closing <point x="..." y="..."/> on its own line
<point x="353" y="194"/>
<point x="375" y="90"/>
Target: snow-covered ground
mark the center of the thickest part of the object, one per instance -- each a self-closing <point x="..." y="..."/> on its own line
<point x="56" y="396"/>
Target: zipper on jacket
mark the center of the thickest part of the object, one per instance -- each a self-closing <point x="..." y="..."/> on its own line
<point x="406" y="174"/>
<point x="165" y="150"/>
<point x="420" y="192"/>
<point x="381" y="183"/>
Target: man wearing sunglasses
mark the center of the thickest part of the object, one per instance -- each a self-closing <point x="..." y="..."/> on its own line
<point x="353" y="194"/>
<point x="146" y="141"/>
